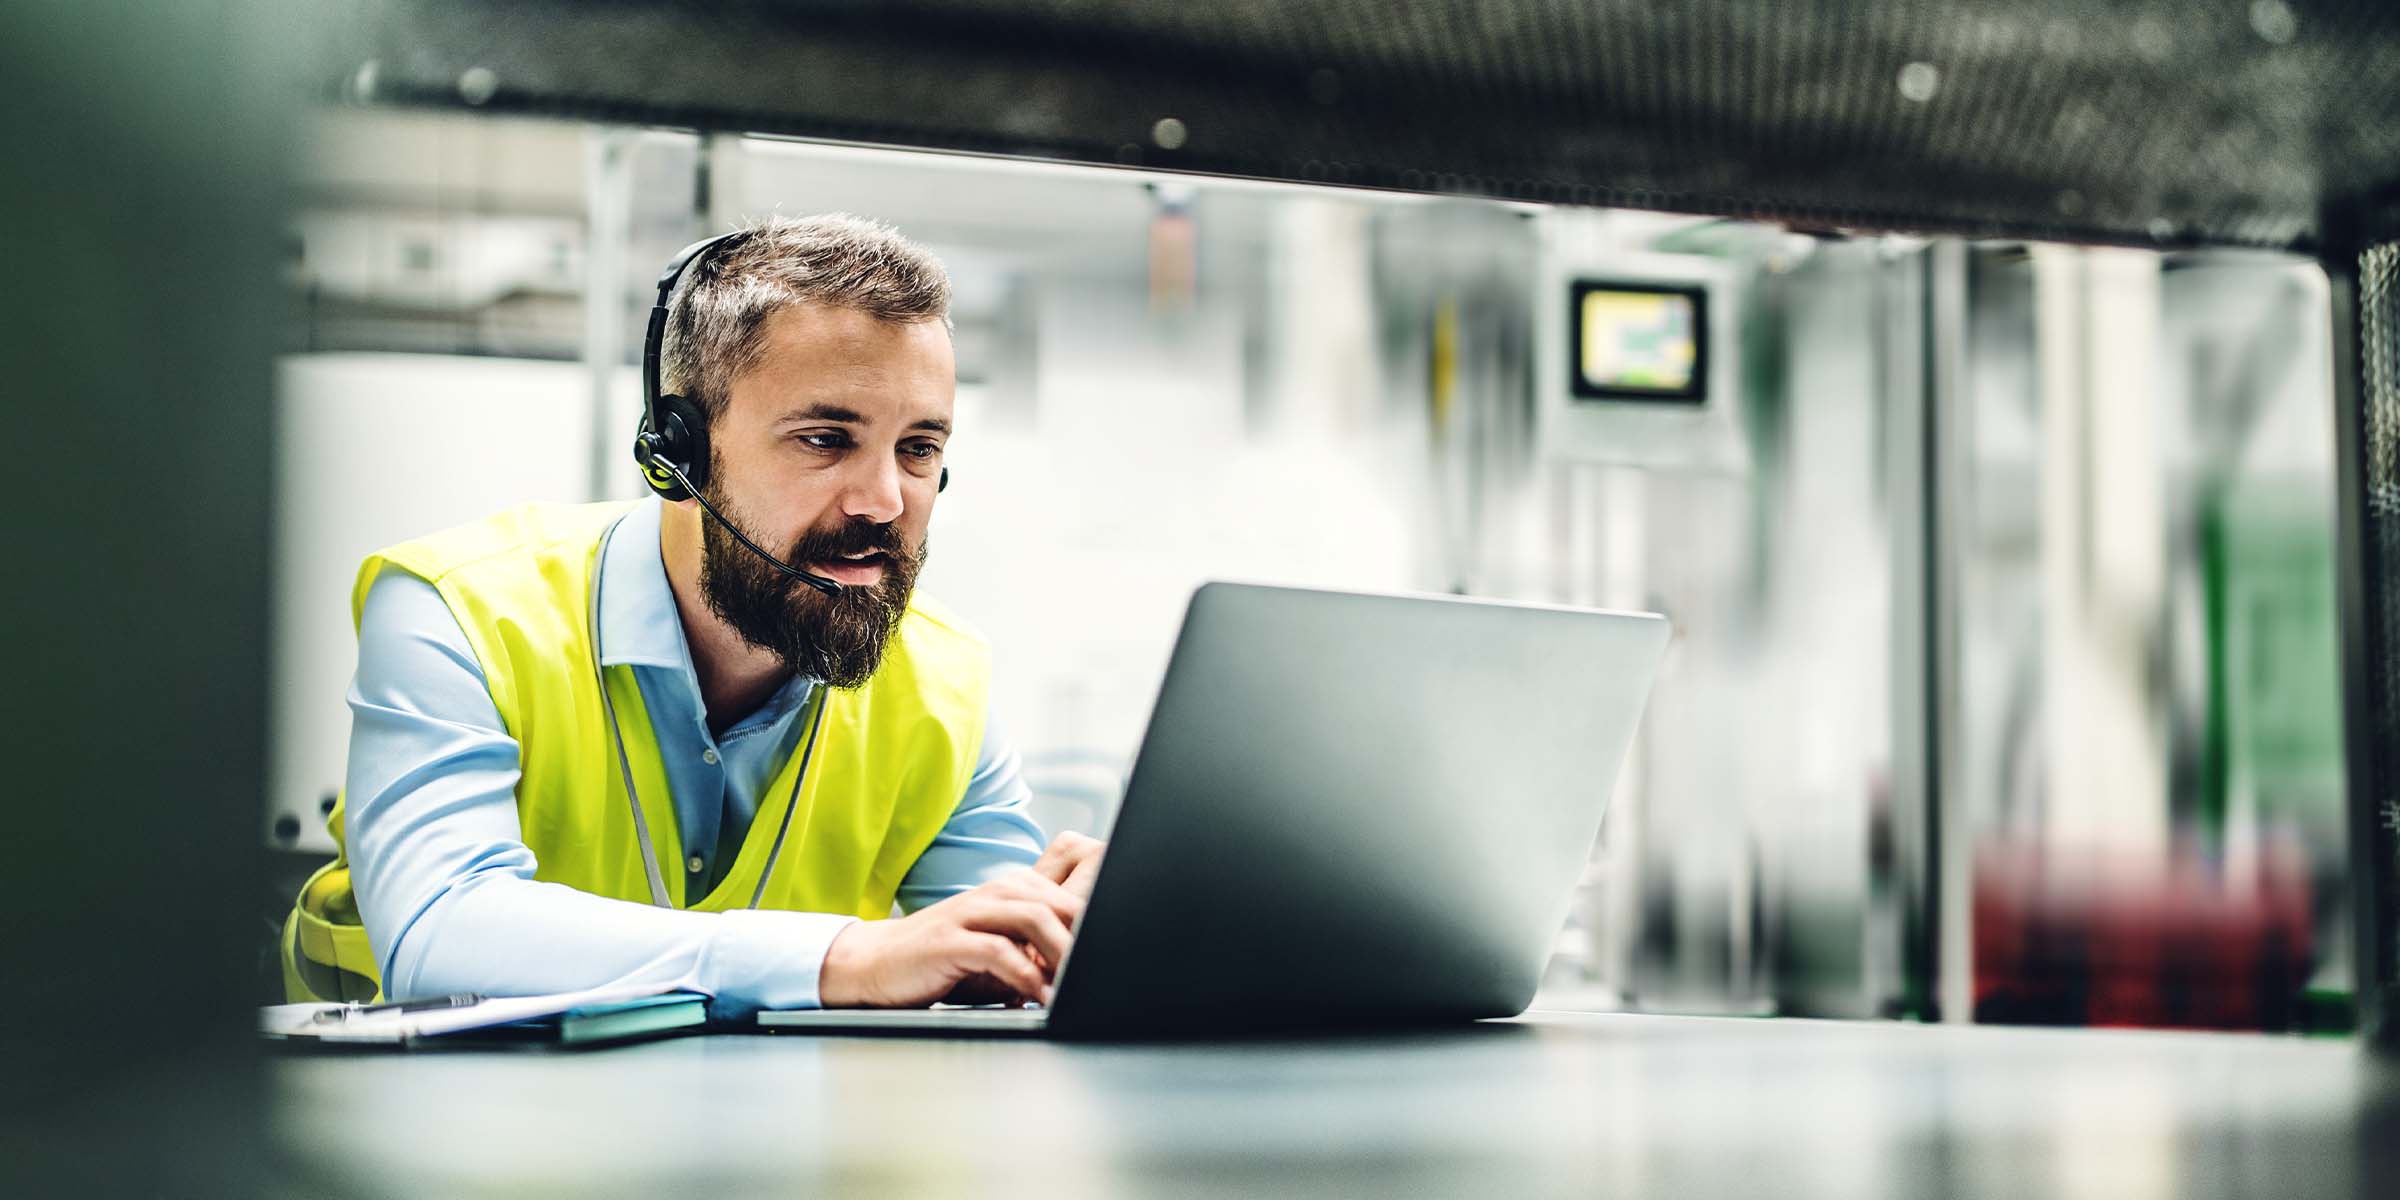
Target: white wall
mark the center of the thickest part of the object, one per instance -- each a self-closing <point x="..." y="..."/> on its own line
<point x="1075" y="542"/>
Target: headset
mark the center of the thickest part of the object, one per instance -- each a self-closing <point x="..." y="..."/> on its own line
<point x="672" y="443"/>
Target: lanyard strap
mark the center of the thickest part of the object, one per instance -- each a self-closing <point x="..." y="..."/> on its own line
<point x="633" y="797"/>
<point x="641" y="822"/>
<point x="816" y="722"/>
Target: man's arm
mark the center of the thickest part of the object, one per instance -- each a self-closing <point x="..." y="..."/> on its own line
<point x="445" y="881"/>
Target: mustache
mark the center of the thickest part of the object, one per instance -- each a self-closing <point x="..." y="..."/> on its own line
<point x="857" y="537"/>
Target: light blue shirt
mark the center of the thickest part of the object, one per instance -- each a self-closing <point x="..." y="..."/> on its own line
<point x="445" y="882"/>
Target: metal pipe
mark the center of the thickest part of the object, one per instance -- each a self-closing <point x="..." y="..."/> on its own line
<point x="2366" y="339"/>
<point x="608" y="225"/>
<point x="1947" y="413"/>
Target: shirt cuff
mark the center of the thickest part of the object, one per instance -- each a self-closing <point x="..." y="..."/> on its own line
<point x="767" y="958"/>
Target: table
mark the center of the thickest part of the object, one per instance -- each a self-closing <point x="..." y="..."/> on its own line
<point x="1549" y="1104"/>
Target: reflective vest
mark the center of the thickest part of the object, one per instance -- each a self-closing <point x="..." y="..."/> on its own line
<point x="892" y="758"/>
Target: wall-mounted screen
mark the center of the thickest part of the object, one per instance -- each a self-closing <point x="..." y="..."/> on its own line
<point x="1635" y="341"/>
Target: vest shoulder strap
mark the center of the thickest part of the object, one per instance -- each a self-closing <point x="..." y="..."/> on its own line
<point x="507" y="536"/>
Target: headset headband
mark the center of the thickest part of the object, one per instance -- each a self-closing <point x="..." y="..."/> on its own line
<point x="654" y="338"/>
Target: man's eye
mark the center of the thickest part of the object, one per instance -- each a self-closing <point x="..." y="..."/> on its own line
<point x="824" y="441"/>
<point x="922" y="450"/>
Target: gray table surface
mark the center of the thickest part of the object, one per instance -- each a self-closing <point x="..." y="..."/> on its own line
<point x="1550" y="1104"/>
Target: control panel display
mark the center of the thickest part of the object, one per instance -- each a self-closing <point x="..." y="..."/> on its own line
<point x="1638" y="342"/>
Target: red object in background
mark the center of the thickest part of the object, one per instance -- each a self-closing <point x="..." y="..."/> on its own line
<point x="2111" y="938"/>
<point x="1174" y="259"/>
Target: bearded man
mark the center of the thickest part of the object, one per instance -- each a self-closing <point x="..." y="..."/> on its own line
<point x="712" y="738"/>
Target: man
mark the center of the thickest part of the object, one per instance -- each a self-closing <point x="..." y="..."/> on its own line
<point x="554" y="702"/>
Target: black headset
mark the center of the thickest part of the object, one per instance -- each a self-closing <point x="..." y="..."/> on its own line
<point x="672" y="443"/>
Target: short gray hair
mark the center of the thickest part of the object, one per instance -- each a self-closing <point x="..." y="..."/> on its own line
<point x="716" y="318"/>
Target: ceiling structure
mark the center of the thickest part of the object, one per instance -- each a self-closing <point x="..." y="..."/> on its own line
<point x="2251" y="122"/>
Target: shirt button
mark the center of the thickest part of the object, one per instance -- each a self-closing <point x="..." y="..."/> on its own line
<point x="695" y="864"/>
<point x="709" y="756"/>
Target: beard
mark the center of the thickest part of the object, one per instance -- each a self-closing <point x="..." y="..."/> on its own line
<point x="838" y="639"/>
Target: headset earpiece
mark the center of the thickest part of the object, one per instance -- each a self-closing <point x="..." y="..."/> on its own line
<point x="944" y="485"/>
<point x="687" y="437"/>
<point x="648" y="451"/>
<point x="680" y="436"/>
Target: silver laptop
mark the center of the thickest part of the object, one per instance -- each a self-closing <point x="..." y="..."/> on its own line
<point x="1349" y="811"/>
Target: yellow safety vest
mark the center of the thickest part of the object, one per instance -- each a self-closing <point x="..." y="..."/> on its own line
<point x="892" y="758"/>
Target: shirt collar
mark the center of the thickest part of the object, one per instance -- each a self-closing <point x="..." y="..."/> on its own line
<point x="639" y="624"/>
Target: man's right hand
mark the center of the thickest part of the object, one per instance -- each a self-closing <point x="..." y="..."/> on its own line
<point x="1000" y="943"/>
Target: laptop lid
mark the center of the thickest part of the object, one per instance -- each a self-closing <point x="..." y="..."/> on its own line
<point x="1355" y="809"/>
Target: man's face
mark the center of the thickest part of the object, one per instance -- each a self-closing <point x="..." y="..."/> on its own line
<point x="827" y="454"/>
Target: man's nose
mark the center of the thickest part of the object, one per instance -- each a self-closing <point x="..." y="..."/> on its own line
<point x="872" y="491"/>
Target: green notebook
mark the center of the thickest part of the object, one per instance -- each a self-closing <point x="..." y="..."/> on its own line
<point x="631" y="1019"/>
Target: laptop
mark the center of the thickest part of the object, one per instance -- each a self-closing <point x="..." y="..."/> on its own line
<point x="1349" y="810"/>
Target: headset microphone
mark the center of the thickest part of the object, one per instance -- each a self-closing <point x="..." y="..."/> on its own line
<point x="811" y="578"/>
<point x="672" y="443"/>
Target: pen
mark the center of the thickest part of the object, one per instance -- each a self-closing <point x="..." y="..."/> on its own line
<point x="458" y="1000"/>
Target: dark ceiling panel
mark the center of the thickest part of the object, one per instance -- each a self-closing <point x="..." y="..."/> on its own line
<point x="2267" y="122"/>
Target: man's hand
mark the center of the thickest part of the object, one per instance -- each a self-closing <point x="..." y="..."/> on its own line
<point x="1000" y="943"/>
<point x="1072" y="862"/>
